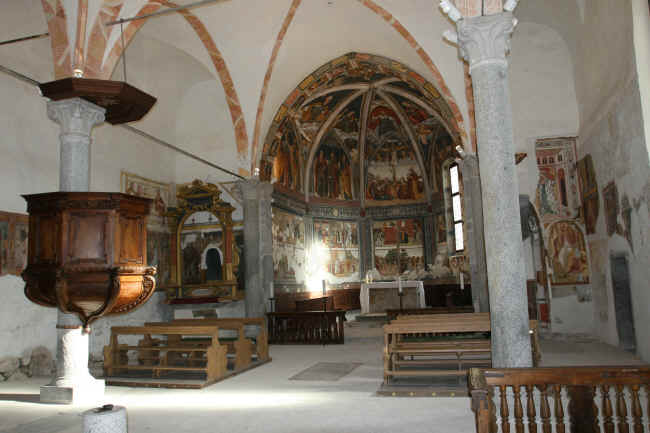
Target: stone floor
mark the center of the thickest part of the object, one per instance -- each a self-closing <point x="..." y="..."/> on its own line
<point x="265" y="400"/>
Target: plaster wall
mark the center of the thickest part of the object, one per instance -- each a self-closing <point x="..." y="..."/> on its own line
<point x="23" y="325"/>
<point x="609" y="83"/>
<point x="548" y="108"/>
<point x="641" y="27"/>
<point x="30" y="164"/>
<point x="322" y="31"/>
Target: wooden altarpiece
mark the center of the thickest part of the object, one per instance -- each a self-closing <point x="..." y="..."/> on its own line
<point x="202" y="197"/>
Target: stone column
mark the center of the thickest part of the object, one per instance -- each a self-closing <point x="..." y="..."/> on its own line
<point x="258" y="245"/>
<point x="474" y="232"/>
<point x="484" y="42"/>
<point x="73" y="382"/>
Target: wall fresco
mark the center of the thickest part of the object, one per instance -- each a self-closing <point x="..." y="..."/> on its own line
<point x="568" y="253"/>
<point x="588" y="193"/>
<point x="13" y="242"/>
<point x="288" y="246"/>
<point x="557" y="188"/>
<point x="398" y="247"/>
<point x="160" y="193"/>
<point x="159" y="254"/>
<point x="341" y="239"/>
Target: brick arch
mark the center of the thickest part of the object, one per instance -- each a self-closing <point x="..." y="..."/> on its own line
<point x="105" y="69"/>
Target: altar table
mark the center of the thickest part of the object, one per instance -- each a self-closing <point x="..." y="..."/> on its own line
<point x="379" y="297"/>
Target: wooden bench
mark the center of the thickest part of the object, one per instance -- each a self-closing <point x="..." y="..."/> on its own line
<point x="306" y="327"/>
<point x="259" y="347"/>
<point x="451" y="319"/>
<point x="392" y="314"/>
<point x="561" y="399"/>
<point x="436" y="340"/>
<point x="158" y="355"/>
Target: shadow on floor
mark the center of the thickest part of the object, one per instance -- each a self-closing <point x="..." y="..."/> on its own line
<point x="21" y="398"/>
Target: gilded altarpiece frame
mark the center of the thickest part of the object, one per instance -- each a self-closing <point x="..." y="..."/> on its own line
<point x="194" y="199"/>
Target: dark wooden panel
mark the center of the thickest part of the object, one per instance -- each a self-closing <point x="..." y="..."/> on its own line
<point x="131" y="240"/>
<point x="88" y="237"/>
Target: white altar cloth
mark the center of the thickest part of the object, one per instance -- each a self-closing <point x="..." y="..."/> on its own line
<point x="364" y="295"/>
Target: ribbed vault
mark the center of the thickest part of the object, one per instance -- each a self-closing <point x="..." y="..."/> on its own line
<point x="361" y="129"/>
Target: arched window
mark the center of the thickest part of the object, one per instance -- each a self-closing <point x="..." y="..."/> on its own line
<point x="456" y="207"/>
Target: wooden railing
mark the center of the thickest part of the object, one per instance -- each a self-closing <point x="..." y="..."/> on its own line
<point x="561" y="399"/>
<point x="306" y="327"/>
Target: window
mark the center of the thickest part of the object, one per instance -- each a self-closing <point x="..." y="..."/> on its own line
<point x="456" y="205"/>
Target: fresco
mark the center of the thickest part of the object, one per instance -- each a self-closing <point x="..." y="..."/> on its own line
<point x="160" y="193"/>
<point x="288" y="231"/>
<point x="341" y="239"/>
<point x="13" y="242"/>
<point x="398" y="246"/>
<point x="568" y="253"/>
<point x="288" y="161"/>
<point x="319" y="129"/>
<point x="332" y="176"/>
<point x="588" y="193"/>
<point x="612" y="208"/>
<point x="393" y="174"/>
<point x="557" y="188"/>
<point x="159" y="255"/>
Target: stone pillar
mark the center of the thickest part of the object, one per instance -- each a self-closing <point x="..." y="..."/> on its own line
<point x="430" y="244"/>
<point x="73" y="382"/>
<point x="474" y="232"/>
<point x="258" y="245"/>
<point x="484" y="42"/>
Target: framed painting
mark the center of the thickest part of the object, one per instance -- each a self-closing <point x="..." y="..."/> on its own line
<point x="13" y="242"/>
<point x="160" y="193"/>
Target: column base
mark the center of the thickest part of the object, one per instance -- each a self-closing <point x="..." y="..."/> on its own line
<point x="89" y="391"/>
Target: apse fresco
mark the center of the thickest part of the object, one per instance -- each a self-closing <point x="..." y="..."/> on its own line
<point x="393" y="173"/>
<point x="288" y="231"/>
<point x="288" y="161"/>
<point x="332" y="173"/>
<point x="343" y="122"/>
<point x="398" y="246"/>
<point x="341" y="240"/>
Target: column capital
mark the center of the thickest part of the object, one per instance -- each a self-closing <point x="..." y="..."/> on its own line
<point x="75" y="115"/>
<point x="485" y="39"/>
<point x="254" y="189"/>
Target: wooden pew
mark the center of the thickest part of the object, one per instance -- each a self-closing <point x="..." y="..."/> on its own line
<point x="213" y="354"/>
<point x="446" y="320"/>
<point x="561" y="399"/>
<point x="241" y="347"/>
<point x="306" y="327"/>
<point x="261" y="347"/>
<point x="392" y="314"/>
<point x="426" y="337"/>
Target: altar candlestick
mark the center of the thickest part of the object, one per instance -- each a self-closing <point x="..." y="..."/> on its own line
<point x="399" y="284"/>
<point x="324" y="288"/>
<point x="271" y="290"/>
<point x="462" y="281"/>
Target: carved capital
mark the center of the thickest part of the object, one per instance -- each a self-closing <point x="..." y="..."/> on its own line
<point x="485" y="39"/>
<point x="254" y="189"/>
<point x="75" y="116"/>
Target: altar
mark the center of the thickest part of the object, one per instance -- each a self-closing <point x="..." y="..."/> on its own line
<point x="379" y="297"/>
